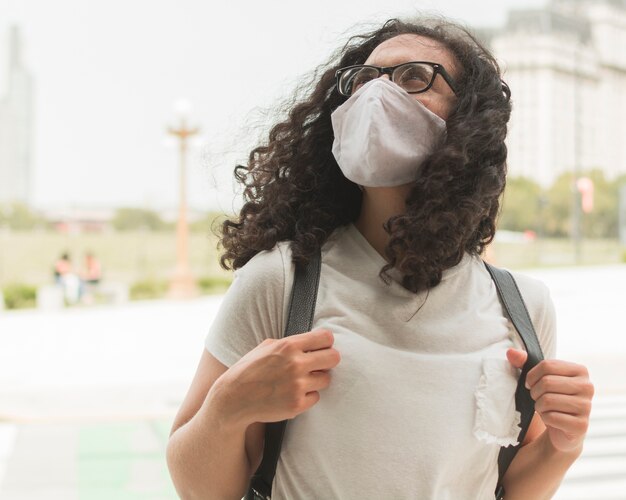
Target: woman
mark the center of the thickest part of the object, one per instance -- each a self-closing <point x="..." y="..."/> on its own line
<point x="405" y="386"/>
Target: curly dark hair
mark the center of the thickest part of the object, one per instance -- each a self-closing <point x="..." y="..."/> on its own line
<point x="294" y="190"/>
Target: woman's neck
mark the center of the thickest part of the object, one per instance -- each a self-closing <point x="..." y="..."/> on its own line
<point x="378" y="205"/>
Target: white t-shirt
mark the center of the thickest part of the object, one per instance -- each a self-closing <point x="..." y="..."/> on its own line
<point x="423" y="396"/>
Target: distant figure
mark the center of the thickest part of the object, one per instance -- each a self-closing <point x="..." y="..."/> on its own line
<point x="62" y="267"/>
<point x="91" y="276"/>
<point x="92" y="271"/>
<point x="65" y="277"/>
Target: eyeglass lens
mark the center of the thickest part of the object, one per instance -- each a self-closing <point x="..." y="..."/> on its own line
<point x="412" y="77"/>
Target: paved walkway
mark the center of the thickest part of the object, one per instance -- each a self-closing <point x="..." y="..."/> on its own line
<point x="82" y="419"/>
<point x="87" y="461"/>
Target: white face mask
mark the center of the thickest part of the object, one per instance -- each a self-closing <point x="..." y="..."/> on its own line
<point x="382" y="135"/>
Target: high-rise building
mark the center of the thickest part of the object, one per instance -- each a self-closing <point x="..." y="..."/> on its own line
<point x="566" y="66"/>
<point x="16" y="127"/>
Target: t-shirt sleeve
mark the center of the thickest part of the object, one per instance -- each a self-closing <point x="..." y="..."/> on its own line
<point x="542" y="312"/>
<point x="252" y="308"/>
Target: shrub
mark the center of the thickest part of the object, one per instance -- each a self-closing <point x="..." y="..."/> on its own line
<point x="156" y="289"/>
<point x="214" y="284"/>
<point x="148" y="289"/>
<point x="19" y="296"/>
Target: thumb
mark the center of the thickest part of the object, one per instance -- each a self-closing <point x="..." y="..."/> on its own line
<point x="516" y="357"/>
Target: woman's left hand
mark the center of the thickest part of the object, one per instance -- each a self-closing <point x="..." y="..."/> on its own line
<point x="562" y="393"/>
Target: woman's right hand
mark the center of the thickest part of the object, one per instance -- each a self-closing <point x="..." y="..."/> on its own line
<point x="278" y="379"/>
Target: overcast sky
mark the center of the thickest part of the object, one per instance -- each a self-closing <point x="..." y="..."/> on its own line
<point x="107" y="75"/>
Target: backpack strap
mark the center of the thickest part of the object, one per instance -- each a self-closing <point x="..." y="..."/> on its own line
<point x="299" y="320"/>
<point x="515" y="308"/>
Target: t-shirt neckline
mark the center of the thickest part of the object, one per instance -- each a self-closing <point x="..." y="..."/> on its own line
<point x="379" y="261"/>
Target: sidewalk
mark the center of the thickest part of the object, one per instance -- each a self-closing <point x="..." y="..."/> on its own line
<point x="80" y="461"/>
<point x="87" y="396"/>
<point x="131" y="361"/>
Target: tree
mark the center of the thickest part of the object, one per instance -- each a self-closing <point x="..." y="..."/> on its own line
<point x="558" y="214"/>
<point x="521" y="205"/>
<point x="20" y="217"/>
<point x="602" y="221"/>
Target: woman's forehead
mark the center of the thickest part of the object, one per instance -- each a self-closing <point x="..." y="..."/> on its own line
<point x="409" y="47"/>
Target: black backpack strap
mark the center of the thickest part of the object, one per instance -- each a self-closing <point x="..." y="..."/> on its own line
<point x="299" y="320"/>
<point x="515" y="307"/>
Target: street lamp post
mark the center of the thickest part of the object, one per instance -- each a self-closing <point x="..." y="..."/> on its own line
<point x="182" y="285"/>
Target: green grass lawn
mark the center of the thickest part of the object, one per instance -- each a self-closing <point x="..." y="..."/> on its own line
<point x="129" y="257"/>
<point x="557" y="252"/>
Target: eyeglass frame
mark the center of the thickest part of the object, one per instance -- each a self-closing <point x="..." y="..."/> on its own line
<point x="388" y="70"/>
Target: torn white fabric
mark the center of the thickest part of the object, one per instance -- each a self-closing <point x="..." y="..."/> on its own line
<point x="497" y="420"/>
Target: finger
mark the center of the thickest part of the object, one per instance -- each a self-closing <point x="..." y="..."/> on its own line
<point x="316" y="381"/>
<point x="569" y="424"/>
<point x="572" y="405"/>
<point x="554" y="367"/>
<point x="516" y="357"/>
<point x="311" y="341"/>
<point x="322" y="359"/>
<point x="558" y="384"/>
<point x="311" y="398"/>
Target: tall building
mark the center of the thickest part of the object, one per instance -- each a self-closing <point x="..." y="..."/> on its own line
<point x="16" y="127"/>
<point x="566" y="66"/>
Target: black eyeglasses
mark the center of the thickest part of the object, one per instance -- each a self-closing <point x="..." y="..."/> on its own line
<point x="414" y="77"/>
